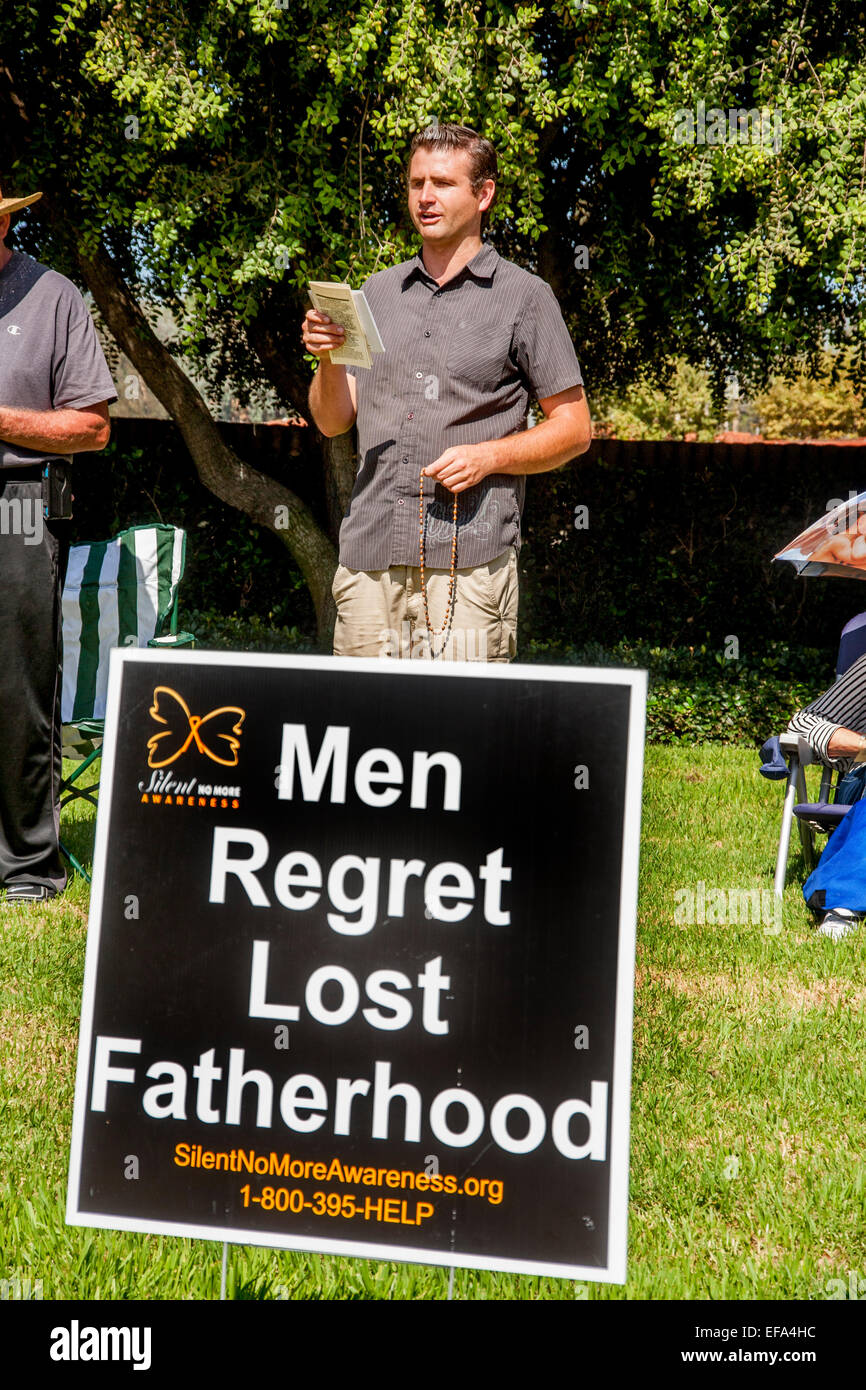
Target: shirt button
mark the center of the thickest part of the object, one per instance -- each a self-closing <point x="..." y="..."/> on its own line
<point x="418" y="376"/>
<point x="405" y="458"/>
<point x="411" y="415"/>
<point x="426" y="332"/>
<point x="400" y="502"/>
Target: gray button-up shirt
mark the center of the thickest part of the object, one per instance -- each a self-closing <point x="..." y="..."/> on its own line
<point x="461" y="363"/>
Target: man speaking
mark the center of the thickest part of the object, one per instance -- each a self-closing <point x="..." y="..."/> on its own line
<point x="428" y="550"/>
<point x="55" y="388"/>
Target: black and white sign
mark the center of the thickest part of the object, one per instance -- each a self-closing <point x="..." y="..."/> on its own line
<point x="360" y="960"/>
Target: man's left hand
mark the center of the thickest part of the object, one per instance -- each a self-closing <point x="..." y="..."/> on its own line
<point x="462" y="467"/>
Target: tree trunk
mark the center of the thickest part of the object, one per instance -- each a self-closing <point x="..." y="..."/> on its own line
<point x="220" y="469"/>
<point x="339" y="475"/>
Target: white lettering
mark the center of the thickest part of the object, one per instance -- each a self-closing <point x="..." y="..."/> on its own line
<point x="103" y="1072"/>
<point x="334" y="750"/>
<point x="243" y="869"/>
<point x="596" y="1114"/>
<point x="291" y="1101"/>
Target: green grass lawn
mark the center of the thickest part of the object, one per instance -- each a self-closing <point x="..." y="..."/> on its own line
<point x="748" y="1177"/>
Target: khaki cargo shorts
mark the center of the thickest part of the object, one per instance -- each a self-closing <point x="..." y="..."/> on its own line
<point x="381" y="612"/>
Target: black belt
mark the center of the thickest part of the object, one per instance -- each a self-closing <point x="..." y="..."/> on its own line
<point x="53" y="478"/>
<point x="26" y="472"/>
<point x="20" y="475"/>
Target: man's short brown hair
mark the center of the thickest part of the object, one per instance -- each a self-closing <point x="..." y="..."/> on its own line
<point x="483" y="164"/>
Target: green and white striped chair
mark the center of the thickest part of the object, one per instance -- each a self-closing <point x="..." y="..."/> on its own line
<point x="118" y="593"/>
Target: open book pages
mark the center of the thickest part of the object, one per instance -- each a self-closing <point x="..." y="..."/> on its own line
<point x="350" y="310"/>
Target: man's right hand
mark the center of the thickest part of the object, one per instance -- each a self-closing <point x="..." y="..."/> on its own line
<point x="333" y="399"/>
<point x="321" y="334"/>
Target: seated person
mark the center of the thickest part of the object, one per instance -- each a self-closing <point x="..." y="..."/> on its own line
<point x="831" y="727"/>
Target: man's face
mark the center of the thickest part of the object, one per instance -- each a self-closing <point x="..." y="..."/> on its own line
<point x="441" y="202"/>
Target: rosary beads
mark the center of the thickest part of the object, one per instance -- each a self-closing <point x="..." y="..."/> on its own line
<point x="449" y="609"/>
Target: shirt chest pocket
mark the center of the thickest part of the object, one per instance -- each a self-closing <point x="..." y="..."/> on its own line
<point x="478" y="353"/>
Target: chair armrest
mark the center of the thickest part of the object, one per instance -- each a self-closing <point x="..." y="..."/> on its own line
<point x="173" y="639"/>
<point x="795" y="745"/>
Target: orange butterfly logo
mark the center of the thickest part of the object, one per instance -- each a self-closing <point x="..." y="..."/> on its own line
<point x="184" y="728"/>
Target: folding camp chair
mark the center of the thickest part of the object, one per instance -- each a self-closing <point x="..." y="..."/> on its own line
<point x="118" y="593"/>
<point x="787" y="755"/>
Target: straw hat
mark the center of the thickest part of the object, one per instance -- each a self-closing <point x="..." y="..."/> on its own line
<point x="16" y="204"/>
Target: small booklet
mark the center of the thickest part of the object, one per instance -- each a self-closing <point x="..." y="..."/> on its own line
<point x="348" y="308"/>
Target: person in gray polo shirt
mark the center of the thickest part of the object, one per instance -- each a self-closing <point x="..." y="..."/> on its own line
<point x="428" y="549"/>
<point x="55" y="388"/>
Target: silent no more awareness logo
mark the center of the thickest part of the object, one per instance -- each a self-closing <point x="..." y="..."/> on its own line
<point x="215" y="735"/>
<point x="184" y="727"/>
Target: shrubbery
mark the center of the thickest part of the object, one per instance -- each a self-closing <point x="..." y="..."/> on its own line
<point x="696" y="696"/>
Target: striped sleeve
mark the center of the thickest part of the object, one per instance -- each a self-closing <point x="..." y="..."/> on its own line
<point x="843" y="706"/>
<point x="817" y="733"/>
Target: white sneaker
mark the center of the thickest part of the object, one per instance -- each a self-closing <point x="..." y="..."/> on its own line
<point x="839" y="922"/>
